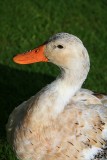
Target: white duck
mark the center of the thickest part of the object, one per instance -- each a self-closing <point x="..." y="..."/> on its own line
<point x="62" y="121"/>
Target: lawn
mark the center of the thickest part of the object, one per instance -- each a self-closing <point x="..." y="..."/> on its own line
<point x="26" y="23"/>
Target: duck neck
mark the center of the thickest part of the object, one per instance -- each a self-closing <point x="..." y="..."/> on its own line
<point x="66" y="85"/>
<point x="55" y="97"/>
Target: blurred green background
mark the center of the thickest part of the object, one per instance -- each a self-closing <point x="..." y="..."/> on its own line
<point x="24" y="24"/>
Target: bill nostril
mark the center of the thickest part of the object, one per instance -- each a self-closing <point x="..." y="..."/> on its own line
<point x="37" y="50"/>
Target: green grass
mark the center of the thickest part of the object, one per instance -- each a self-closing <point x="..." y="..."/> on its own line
<point x="24" y="24"/>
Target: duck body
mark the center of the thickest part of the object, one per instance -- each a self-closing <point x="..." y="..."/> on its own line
<point x="62" y="121"/>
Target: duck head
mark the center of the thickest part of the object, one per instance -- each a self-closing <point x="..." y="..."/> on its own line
<point x="63" y="49"/>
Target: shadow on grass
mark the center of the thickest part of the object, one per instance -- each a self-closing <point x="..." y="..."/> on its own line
<point x="15" y="87"/>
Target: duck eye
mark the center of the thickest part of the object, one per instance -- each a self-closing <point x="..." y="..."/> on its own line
<point x="60" y="46"/>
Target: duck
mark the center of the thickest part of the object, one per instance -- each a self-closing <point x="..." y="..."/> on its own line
<point x="63" y="121"/>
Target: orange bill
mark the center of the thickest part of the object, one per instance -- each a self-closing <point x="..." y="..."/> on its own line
<point x="33" y="56"/>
